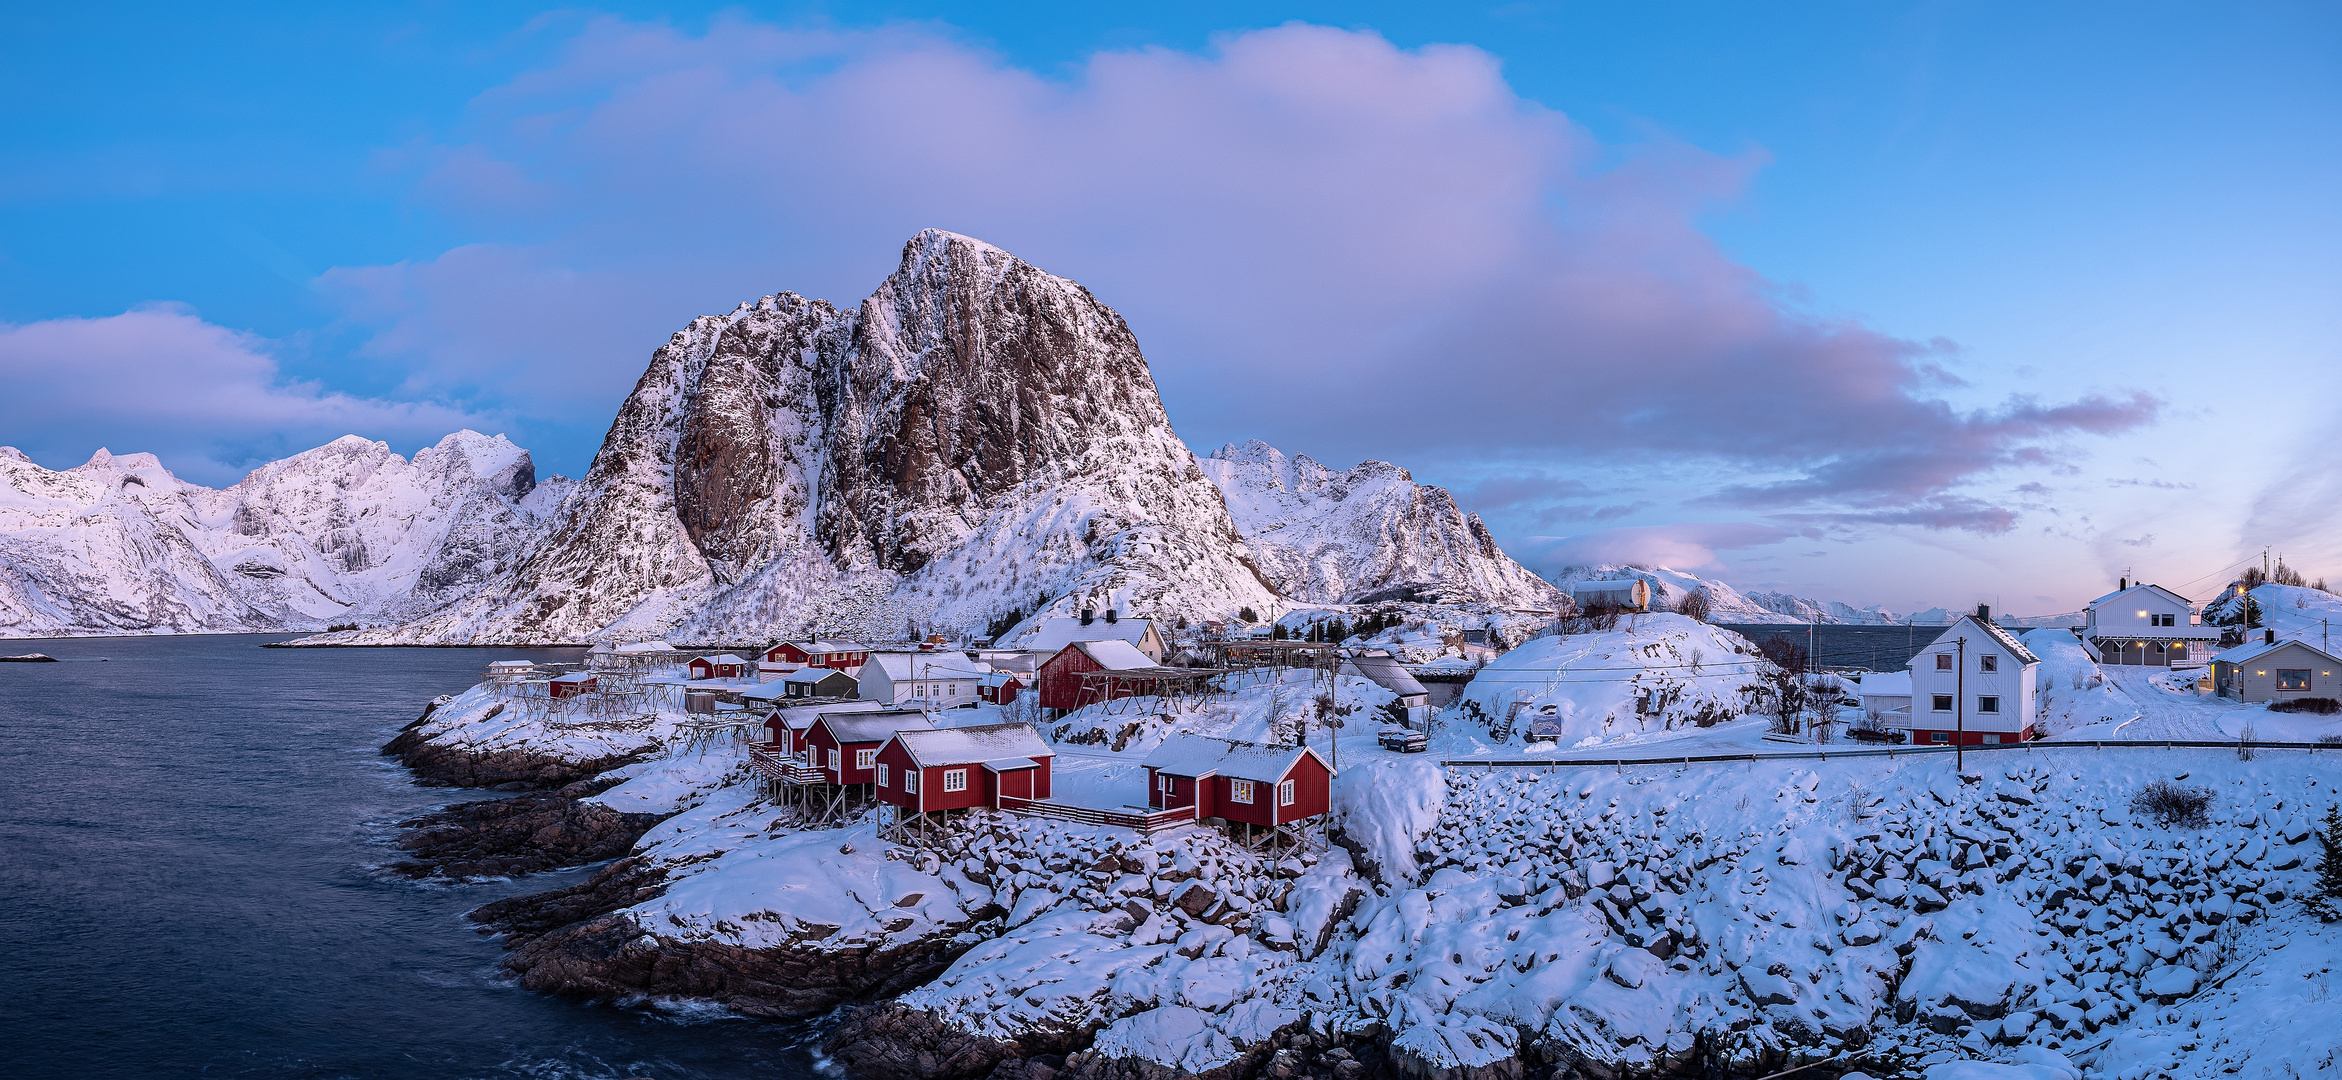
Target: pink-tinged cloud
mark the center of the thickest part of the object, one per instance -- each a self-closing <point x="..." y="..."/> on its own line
<point x="1321" y="239"/>
<point x="206" y="399"/>
<point x="1689" y="545"/>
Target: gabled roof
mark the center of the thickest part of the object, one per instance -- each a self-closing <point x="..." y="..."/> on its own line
<point x="925" y="664"/>
<point x="1198" y="756"/>
<point x="818" y="647"/>
<point x="862" y="727"/>
<point x="2251" y="650"/>
<point x="1055" y="634"/>
<point x="575" y="676"/>
<point x="973" y="745"/>
<point x="1114" y="655"/>
<point x="722" y="658"/>
<point x="800" y="717"/>
<point x="1003" y="678"/>
<point x="2175" y="597"/>
<point x="811" y="676"/>
<point x="1999" y="636"/>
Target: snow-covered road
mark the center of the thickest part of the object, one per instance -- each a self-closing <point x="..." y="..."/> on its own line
<point x="2166" y="714"/>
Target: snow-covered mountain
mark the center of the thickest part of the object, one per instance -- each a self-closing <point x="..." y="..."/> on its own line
<point x="1727" y="604"/>
<point x="1368" y="534"/>
<point x="347" y="531"/>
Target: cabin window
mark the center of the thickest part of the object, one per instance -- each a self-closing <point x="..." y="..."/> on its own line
<point x="882" y="776"/>
<point x="1240" y="791"/>
<point x="1988" y="662"/>
<point x="1943" y="702"/>
<point x="1988" y="704"/>
<point x="1285" y="793"/>
<point x="911" y="782"/>
<point x="2291" y="678"/>
<point x="833" y="761"/>
<point x="864" y="759"/>
<point x="1943" y="661"/>
<point x="955" y="779"/>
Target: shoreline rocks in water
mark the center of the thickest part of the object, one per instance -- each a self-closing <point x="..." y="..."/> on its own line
<point x="891" y="1041"/>
<point x="29" y="658"/>
<point x="496" y="770"/>
<point x="525" y="834"/>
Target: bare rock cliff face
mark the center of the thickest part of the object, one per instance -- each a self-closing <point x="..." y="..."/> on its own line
<point x="1367" y="534"/>
<point x="976" y="437"/>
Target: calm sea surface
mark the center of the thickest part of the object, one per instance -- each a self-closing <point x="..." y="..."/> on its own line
<point x="188" y="832"/>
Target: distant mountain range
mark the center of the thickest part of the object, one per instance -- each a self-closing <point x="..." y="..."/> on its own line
<point x="1729" y="605"/>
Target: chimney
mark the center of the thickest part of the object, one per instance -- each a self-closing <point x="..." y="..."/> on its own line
<point x="1088" y="616"/>
<point x="2121" y="584"/>
<point x="2269" y="636"/>
<point x="1984" y="613"/>
<point x="1110" y="616"/>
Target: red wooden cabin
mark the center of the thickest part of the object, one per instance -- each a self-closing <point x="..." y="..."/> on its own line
<point x="845" y="744"/>
<point x="999" y="688"/>
<point x="724" y="666"/>
<point x="962" y="768"/>
<point x="570" y="685"/>
<point x="1059" y="684"/>
<point x="842" y="655"/>
<point x="1239" y="781"/>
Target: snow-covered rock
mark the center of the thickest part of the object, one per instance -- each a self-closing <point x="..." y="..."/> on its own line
<point x="349" y="531"/>
<point x="1651" y="674"/>
<point x="1365" y="535"/>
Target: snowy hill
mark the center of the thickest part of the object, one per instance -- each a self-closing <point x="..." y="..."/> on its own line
<point x="1652" y="674"/>
<point x="1364" y="535"/>
<point x="347" y="531"/>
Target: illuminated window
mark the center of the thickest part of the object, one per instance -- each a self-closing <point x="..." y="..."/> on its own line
<point x="2292" y="678"/>
<point x="1943" y="661"/>
<point x="864" y="759"/>
<point x="1240" y="791"/>
<point x="1943" y="703"/>
<point x="955" y="779"/>
<point x="1988" y="705"/>
<point x="1988" y="662"/>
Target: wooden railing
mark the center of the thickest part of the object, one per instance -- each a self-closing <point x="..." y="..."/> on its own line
<point x="784" y="768"/>
<point x="1145" y="822"/>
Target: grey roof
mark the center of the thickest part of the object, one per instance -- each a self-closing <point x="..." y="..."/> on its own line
<point x="861" y="727"/>
<point x="811" y="676"/>
<point x="1999" y="636"/>
<point x="971" y="745"/>
<point x="1197" y="755"/>
<point x="800" y="717"/>
<point x="1378" y="665"/>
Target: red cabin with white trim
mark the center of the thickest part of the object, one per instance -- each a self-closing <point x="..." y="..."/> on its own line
<point x="723" y="666"/>
<point x="845" y="745"/>
<point x="571" y="685"/>
<point x="1239" y="781"/>
<point x="964" y="768"/>
<point x="841" y="655"/>
<point x="1059" y="683"/>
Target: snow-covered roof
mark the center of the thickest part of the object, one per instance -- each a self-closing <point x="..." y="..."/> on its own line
<point x="809" y="676"/>
<point x="1999" y="636"/>
<point x="1115" y="655"/>
<point x="1056" y="634"/>
<point x="2247" y="652"/>
<point x="1197" y="755"/>
<point x="1386" y="671"/>
<point x="510" y="664"/>
<point x="1016" y="764"/>
<point x="850" y="727"/>
<point x="1003" y="678"/>
<point x="2175" y="597"/>
<point x="971" y="745"/>
<point x="574" y="677"/>
<point x="645" y="646"/>
<point x="723" y="658"/>
<point x="801" y="717"/>
<point x="1886" y="684"/>
<point x="924" y="664"/>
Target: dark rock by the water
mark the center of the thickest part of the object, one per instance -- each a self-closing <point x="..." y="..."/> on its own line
<point x="524" y="835"/>
<point x="895" y="1042"/>
<point x="435" y="765"/>
<point x="29" y="658"/>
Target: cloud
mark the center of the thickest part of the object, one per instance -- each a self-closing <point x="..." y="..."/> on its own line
<point x="1691" y="545"/>
<point x="206" y="399"/>
<point x="1321" y="239"/>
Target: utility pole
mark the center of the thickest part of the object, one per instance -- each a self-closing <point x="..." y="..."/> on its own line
<point x="1960" y="706"/>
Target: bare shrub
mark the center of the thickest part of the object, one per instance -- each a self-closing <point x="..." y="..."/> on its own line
<point x="2330" y="740"/>
<point x="2174" y="805"/>
<point x="2321" y="706"/>
<point x="1695" y="604"/>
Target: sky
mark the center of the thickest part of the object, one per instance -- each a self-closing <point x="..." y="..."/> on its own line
<point x="1902" y="304"/>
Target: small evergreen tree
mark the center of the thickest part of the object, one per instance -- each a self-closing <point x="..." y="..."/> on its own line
<point x="1248" y="615"/>
<point x="2326" y="895"/>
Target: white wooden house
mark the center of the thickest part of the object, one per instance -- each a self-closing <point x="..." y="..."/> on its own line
<point x="1973" y="685"/>
<point x="2146" y="625"/>
<point x="938" y="679"/>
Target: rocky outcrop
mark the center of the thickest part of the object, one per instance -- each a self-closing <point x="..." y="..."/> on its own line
<point x="441" y="765"/>
<point x="613" y="957"/>
<point x="1364" y="535"/>
<point x="511" y="837"/>
<point x="895" y="1042"/>
<point x="619" y="885"/>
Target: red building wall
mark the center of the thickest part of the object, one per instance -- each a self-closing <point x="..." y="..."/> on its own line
<point x="1212" y="797"/>
<point x="1058" y="681"/>
<point x="819" y="740"/>
<point x="1926" y="737"/>
<point x="785" y="653"/>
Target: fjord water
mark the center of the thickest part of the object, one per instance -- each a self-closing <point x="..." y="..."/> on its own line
<point x="189" y="832"/>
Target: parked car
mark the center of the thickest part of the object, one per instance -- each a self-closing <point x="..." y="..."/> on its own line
<point x="1403" y="740"/>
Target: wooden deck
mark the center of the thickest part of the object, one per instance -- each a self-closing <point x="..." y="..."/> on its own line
<point x="1145" y="822"/>
<point x="783" y="768"/>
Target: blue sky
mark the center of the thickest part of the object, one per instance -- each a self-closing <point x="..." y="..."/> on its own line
<point x="1903" y="304"/>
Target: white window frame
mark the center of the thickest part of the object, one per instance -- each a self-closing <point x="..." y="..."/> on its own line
<point x="833" y="759"/>
<point x="1988" y="704"/>
<point x="1169" y="785"/>
<point x="1940" y="702"/>
<point x="1988" y="662"/>
<point x="1286" y="792"/>
<point x="1240" y="791"/>
<point x="864" y="759"/>
<point x="955" y="780"/>
<point x="911" y="781"/>
<point x="882" y="774"/>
